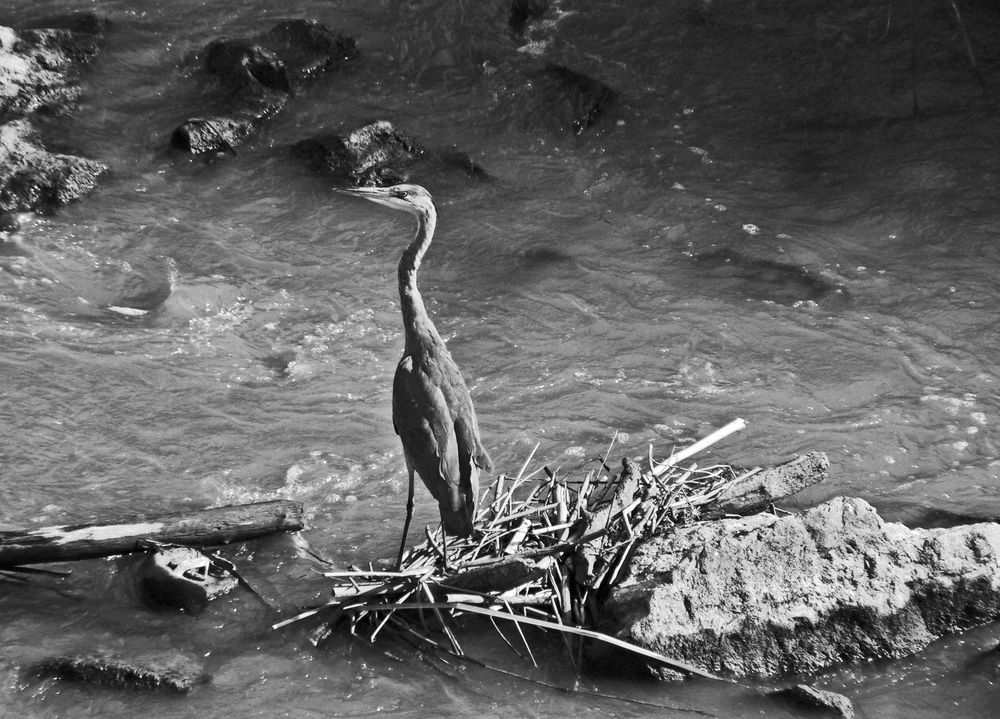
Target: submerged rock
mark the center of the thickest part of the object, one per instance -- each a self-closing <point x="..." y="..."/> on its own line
<point x="807" y="697"/>
<point x="259" y="75"/>
<point x="139" y="283"/>
<point x="174" y="672"/>
<point x="550" y="96"/>
<point x="522" y="12"/>
<point x="9" y="222"/>
<point x="378" y="154"/>
<point x="770" y="280"/>
<point x="309" y="48"/>
<point x="574" y="100"/>
<point x="767" y="596"/>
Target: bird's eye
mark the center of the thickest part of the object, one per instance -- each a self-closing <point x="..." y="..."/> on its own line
<point x="402" y="194"/>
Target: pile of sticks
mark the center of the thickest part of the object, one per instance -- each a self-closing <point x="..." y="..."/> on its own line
<point x="546" y="549"/>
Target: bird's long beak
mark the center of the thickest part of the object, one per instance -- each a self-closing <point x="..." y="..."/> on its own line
<point x="366" y="192"/>
<point x="375" y="194"/>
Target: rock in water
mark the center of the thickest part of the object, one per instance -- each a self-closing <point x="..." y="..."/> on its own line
<point x="33" y="178"/>
<point x="379" y="154"/>
<point x="558" y="98"/>
<point x="37" y="68"/>
<point x="374" y="154"/>
<point x="39" y="64"/>
<point x="309" y="48"/>
<point x="767" y="596"/>
<point x="577" y="101"/>
<point x="242" y="65"/>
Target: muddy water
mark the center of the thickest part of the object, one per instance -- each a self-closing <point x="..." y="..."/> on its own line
<point x="740" y="236"/>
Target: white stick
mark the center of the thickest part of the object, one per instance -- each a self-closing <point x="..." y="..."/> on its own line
<point x="735" y="426"/>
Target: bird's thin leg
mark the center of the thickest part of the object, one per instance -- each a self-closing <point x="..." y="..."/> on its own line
<point x="444" y="546"/>
<point x="406" y="524"/>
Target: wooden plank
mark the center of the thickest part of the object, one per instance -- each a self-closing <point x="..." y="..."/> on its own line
<point x="206" y="527"/>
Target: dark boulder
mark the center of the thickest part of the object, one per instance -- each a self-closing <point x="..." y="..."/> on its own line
<point x="224" y="133"/>
<point x="40" y="64"/>
<point x="243" y="65"/>
<point x="289" y="54"/>
<point x="768" y="596"/>
<point x="258" y="76"/>
<point x="373" y="154"/>
<point x="379" y="154"/>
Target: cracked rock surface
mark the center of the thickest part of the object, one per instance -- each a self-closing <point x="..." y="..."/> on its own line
<point x="767" y="596"/>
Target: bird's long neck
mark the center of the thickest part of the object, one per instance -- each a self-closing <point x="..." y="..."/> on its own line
<point x="416" y="323"/>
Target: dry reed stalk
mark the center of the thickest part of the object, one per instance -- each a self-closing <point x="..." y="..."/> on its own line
<point x="735" y="426"/>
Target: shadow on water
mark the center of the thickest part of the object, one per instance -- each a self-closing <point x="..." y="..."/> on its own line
<point x="728" y="272"/>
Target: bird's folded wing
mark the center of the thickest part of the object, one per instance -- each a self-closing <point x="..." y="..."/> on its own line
<point x="424" y="423"/>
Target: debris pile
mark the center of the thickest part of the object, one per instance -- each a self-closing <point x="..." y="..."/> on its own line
<point x="547" y="549"/>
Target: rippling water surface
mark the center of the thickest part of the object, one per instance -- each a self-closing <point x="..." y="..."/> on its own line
<point x="723" y="243"/>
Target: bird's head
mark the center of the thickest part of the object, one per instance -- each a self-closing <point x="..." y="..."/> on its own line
<point x="409" y="198"/>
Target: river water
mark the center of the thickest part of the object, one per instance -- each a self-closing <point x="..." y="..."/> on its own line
<point x="757" y="228"/>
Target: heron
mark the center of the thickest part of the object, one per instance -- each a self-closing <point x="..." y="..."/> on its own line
<point x="432" y="409"/>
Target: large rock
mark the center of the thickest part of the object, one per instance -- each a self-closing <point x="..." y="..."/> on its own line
<point x="38" y="65"/>
<point x="37" y="72"/>
<point x="767" y="596"/>
<point x="258" y="76"/>
<point x="33" y="178"/>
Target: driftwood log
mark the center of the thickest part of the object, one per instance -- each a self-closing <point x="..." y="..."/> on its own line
<point x="759" y="490"/>
<point x="206" y="527"/>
